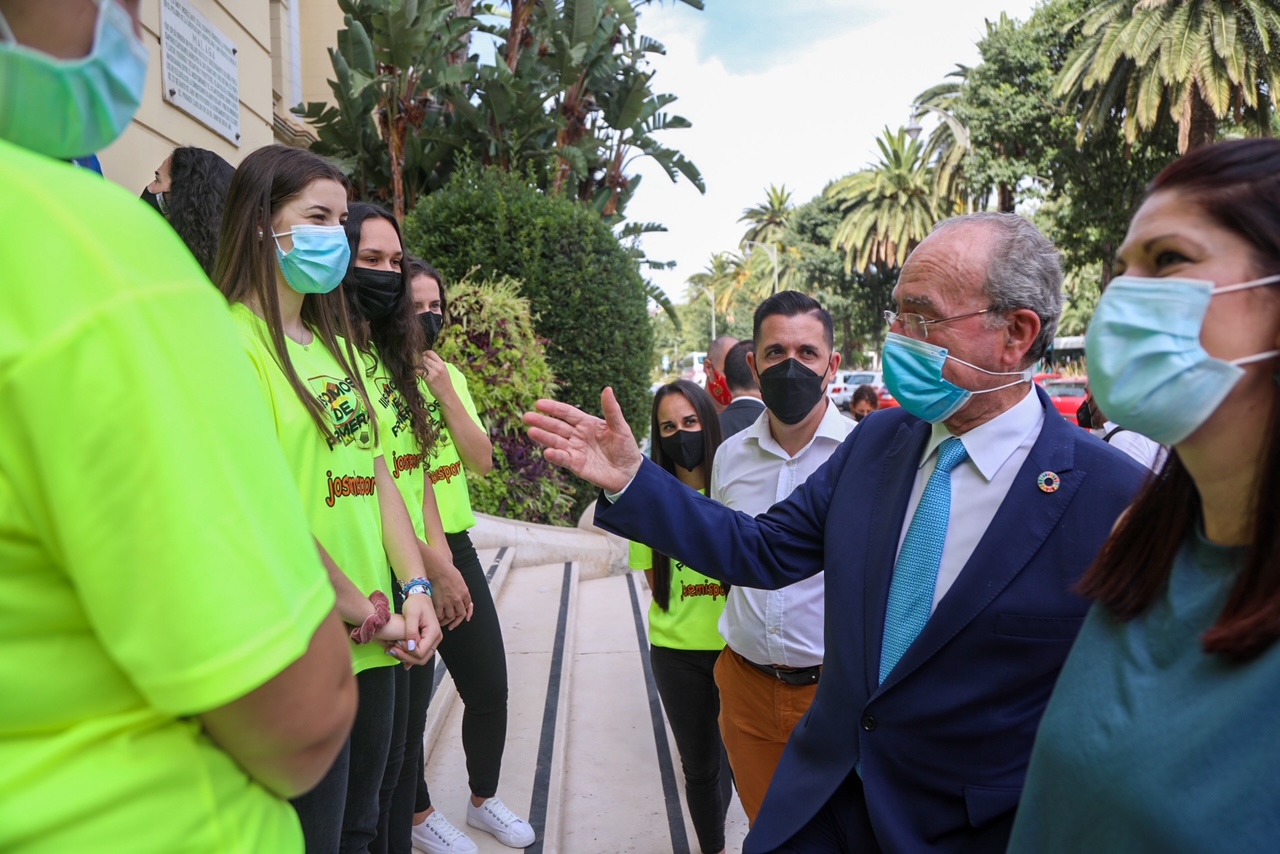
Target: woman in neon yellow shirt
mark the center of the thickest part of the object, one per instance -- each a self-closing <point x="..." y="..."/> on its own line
<point x="473" y="651"/>
<point x="389" y="337"/>
<point x="282" y="253"/>
<point x="684" y="617"/>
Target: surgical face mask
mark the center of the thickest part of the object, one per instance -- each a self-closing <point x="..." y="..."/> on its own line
<point x="913" y="373"/>
<point x="156" y="200"/>
<point x="1147" y="368"/>
<point x="377" y="291"/>
<point x="432" y="322"/>
<point x="318" y="260"/>
<point x="67" y="108"/>
<point x="790" y="390"/>
<point x="685" y="448"/>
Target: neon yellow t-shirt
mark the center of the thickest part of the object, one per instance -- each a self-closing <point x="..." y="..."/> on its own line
<point x="445" y="471"/>
<point x="399" y="444"/>
<point x="337" y="484"/>
<point x="693" y="620"/>
<point x="155" y="563"/>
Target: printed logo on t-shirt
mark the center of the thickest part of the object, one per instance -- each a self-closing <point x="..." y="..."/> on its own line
<point x="343" y="486"/>
<point x="446" y="473"/>
<point x="389" y="397"/>
<point x="404" y="462"/>
<point x="346" y="408"/>
<point x="443" y="439"/>
<point x="713" y="589"/>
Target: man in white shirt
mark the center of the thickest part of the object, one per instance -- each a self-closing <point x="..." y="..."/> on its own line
<point x="1147" y="452"/>
<point x="768" y="674"/>
<point x="951" y="532"/>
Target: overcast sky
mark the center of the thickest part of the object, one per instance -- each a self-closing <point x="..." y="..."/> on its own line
<point x="790" y="92"/>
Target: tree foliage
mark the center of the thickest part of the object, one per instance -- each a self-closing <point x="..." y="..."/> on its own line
<point x="887" y="208"/>
<point x="1198" y="61"/>
<point x="491" y="338"/>
<point x="569" y="101"/>
<point x="769" y="218"/>
<point x="585" y="290"/>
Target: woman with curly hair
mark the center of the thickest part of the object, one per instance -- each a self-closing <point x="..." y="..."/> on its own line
<point x="190" y="191"/>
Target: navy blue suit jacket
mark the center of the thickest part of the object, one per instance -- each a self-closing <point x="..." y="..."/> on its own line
<point x="944" y="742"/>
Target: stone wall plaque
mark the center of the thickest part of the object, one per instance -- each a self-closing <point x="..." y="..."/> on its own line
<point x="199" y="69"/>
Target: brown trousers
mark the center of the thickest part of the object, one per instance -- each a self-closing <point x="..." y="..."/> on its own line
<point x="757" y="714"/>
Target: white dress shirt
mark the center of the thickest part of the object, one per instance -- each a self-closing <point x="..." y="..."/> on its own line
<point x="1146" y="451"/>
<point x="752" y="473"/>
<point x="997" y="450"/>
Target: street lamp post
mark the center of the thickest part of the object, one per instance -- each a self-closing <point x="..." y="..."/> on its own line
<point x="773" y="256"/>
<point x="711" y="295"/>
<point x="913" y="126"/>
<point x="960" y="132"/>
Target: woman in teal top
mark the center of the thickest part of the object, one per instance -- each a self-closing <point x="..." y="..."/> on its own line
<point x="1160" y="734"/>
<point x="684" y="638"/>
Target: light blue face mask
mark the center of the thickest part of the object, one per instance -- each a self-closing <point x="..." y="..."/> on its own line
<point x="318" y="260"/>
<point x="1147" y="369"/>
<point x="913" y="373"/>
<point x="67" y="108"/>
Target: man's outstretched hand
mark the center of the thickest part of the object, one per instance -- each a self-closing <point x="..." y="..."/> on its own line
<point x="601" y="451"/>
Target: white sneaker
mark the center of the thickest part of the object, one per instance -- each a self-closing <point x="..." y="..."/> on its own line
<point x="493" y="817"/>
<point x="437" y="835"/>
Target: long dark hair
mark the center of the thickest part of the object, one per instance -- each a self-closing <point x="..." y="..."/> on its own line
<point x="1237" y="186"/>
<point x="199" y="181"/>
<point x="704" y="407"/>
<point x="398" y="336"/>
<point x="247" y="264"/>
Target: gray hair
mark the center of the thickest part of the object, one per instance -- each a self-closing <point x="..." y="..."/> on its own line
<point x="1025" y="271"/>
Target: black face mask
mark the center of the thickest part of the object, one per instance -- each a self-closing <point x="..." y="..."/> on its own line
<point x="685" y="448"/>
<point x="1084" y="415"/>
<point x="432" y="323"/>
<point x="790" y="390"/>
<point x="377" y="291"/>
<point x="156" y="200"/>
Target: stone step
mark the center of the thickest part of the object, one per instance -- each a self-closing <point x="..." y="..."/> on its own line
<point x="623" y="784"/>
<point x="536" y="606"/>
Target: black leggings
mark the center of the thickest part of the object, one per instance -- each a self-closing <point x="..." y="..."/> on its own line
<point x="395" y="818"/>
<point x="687" y="685"/>
<point x="341" y="813"/>
<point x="477" y="659"/>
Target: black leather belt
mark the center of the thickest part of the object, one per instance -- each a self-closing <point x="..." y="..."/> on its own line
<point x="790" y="676"/>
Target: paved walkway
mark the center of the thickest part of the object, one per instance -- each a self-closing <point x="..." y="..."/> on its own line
<point x="589" y="757"/>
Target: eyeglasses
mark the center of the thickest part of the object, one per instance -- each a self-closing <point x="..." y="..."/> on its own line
<point x="917" y="325"/>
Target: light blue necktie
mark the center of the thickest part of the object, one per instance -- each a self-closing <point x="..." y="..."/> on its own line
<point x="915" y="576"/>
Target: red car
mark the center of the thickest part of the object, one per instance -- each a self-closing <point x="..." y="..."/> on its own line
<point x="1067" y="393"/>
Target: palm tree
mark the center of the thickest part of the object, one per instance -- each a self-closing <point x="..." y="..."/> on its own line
<point x="721" y="280"/>
<point x="768" y="219"/>
<point x="1203" y="60"/>
<point x="947" y="147"/>
<point x="887" y="208"/>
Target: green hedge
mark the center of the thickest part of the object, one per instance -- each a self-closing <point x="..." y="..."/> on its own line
<point x="586" y="292"/>
<point x="490" y="338"/>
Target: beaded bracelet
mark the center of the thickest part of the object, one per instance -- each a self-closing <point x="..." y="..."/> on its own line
<point x="380" y="617"/>
<point x="416" y="585"/>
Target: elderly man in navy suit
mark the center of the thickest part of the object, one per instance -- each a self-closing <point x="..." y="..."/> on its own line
<point x="952" y="532"/>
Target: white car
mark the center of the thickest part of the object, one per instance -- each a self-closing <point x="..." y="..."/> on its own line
<point x="841" y="389"/>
